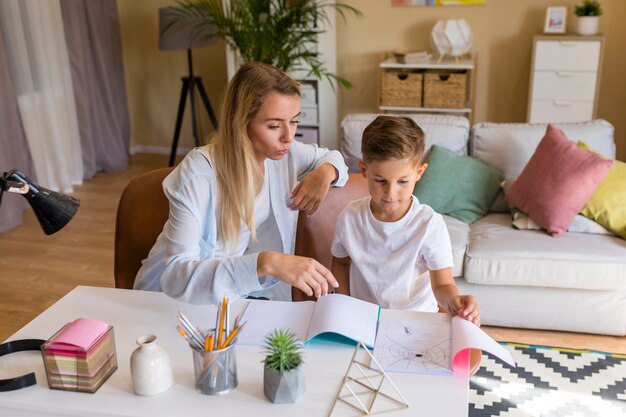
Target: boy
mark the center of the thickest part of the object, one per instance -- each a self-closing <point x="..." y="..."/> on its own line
<point x="389" y="248"/>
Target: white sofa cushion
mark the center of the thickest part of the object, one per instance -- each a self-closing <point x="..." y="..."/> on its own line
<point x="498" y="254"/>
<point x="572" y="310"/>
<point x="459" y="235"/>
<point x="509" y="146"/>
<point x="451" y="132"/>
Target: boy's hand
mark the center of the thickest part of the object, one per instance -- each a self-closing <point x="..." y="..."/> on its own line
<point x="464" y="306"/>
<point x="311" y="191"/>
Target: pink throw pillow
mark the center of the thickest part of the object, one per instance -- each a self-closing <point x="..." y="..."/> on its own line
<point x="557" y="181"/>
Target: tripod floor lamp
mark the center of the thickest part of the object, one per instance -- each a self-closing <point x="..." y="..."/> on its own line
<point x="176" y="37"/>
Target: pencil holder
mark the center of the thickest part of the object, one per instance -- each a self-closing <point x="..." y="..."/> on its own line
<point x="216" y="370"/>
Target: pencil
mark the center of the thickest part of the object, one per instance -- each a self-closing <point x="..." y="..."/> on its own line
<point x="217" y="323"/>
<point x="208" y="343"/>
<point x="220" y="331"/>
<point x="231" y="336"/>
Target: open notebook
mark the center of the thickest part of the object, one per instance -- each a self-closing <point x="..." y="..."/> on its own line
<point x="333" y="313"/>
<point x="431" y="343"/>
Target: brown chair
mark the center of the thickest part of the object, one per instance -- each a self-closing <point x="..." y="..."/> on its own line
<point x="141" y="214"/>
<point x="314" y="235"/>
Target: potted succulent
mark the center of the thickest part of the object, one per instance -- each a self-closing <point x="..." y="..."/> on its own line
<point x="283" y="376"/>
<point x="277" y="32"/>
<point x="588" y="13"/>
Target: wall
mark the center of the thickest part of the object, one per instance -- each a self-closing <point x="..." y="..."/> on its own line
<point x="502" y="29"/>
<point x="153" y="78"/>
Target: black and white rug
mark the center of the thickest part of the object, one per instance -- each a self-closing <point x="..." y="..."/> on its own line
<point x="550" y="382"/>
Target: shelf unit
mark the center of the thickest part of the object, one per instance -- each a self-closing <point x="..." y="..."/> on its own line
<point x="467" y="63"/>
<point x="318" y="121"/>
<point x="565" y="78"/>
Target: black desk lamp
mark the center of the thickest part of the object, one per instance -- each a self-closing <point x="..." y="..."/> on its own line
<point x="53" y="210"/>
<point x="176" y="35"/>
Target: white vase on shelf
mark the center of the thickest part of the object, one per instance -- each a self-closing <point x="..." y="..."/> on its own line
<point x="150" y="367"/>
<point x="588" y="25"/>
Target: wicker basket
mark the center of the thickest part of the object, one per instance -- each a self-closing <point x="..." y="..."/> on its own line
<point x="445" y="89"/>
<point x="401" y="88"/>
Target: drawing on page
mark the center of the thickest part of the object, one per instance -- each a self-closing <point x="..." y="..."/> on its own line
<point x="409" y="351"/>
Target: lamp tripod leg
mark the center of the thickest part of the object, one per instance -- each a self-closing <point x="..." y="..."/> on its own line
<point x="179" y="120"/>
<point x="194" y="116"/>
<point x="207" y="103"/>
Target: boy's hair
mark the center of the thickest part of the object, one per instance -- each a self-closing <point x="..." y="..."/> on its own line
<point x="392" y="137"/>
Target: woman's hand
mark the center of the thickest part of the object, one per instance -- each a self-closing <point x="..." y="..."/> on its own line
<point x="311" y="191"/>
<point x="306" y="274"/>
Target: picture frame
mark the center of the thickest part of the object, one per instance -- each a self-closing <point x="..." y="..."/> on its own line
<point x="556" y="20"/>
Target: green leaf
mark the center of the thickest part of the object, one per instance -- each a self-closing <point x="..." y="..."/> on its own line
<point x="283" y="352"/>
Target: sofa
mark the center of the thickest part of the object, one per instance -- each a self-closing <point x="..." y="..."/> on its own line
<point x="575" y="282"/>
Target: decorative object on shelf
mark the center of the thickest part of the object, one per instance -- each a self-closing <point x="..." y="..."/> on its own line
<point x="556" y="20"/>
<point x="436" y="2"/>
<point x="53" y="210"/>
<point x="277" y="32"/>
<point x="411" y="57"/>
<point x="588" y="14"/>
<point x="283" y="375"/>
<point x="451" y="37"/>
<point x="374" y="379"/>
<point x="186" y="37"/>
<point x="150" y="367"/>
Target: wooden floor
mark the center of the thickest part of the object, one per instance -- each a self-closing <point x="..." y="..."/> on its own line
<point x="36" y="270"/>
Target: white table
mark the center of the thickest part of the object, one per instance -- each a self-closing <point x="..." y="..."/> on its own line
<point x="136" y="313"/>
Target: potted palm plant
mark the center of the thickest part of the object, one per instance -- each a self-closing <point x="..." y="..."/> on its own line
<point x="282" y="33"/>
<point x="588" y="13"/>
<point x="283" y="376"/>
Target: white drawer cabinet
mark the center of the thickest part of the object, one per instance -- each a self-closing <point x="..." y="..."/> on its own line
<point x="564" y="78"/>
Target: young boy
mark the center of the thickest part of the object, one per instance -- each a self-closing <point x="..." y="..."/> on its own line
<point x="389" y="248"/>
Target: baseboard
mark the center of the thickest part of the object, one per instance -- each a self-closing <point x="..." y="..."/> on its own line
<point x="161" y="150"/>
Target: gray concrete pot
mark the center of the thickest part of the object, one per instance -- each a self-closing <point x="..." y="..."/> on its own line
<point x="283" y="388"/>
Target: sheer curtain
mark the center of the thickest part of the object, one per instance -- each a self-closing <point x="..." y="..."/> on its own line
<point x="37" y="54"/>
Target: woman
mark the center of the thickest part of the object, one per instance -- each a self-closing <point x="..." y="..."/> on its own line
<point x="234" y="203"/>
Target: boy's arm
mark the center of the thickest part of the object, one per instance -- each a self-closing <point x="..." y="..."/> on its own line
<point x="449" y="297"/>
<point x="341" y="271"/>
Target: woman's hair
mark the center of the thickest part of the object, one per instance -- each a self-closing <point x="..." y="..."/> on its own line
<point x="392" y="137"/>
<point x="238" y="173"/>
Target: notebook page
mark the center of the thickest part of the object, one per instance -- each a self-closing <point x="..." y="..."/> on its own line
<point x="467" y="335"/>
<point x="262" y="317"/>
<point x="419" y="342"/>
<point x="346" y="316"/>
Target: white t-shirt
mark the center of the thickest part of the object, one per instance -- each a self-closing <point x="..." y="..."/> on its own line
<point x="390" y="260"/>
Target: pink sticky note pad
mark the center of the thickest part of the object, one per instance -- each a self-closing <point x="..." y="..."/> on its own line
<point x="79" y="334"/>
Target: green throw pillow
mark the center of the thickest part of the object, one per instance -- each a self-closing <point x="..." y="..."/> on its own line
<point x="459" y="186"/>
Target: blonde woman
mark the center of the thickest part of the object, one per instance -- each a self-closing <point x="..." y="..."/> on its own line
<point x="234" y="203"/>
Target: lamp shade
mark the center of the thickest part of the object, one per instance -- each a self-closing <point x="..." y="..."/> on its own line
<point x="53" y="210"/>
<point x="175" y="33"/>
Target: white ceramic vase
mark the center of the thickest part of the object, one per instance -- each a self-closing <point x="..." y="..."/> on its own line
<point x="150" y="367"/>
<point x="588" y="25"/>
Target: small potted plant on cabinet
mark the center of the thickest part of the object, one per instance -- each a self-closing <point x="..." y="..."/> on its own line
<point x="588" y="13"/>
<point x="283" y="376"/>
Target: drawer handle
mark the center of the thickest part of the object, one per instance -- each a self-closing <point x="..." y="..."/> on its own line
<point x="564" y="74"/>
<point x="567" y="43"/>
<point x="561" y="103"/>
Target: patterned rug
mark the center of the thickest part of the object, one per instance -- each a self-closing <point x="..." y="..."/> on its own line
<point x="550" y="382"/>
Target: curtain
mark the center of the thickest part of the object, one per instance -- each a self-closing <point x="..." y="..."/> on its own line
<point x="35" y="41"/>
<point x="95" y="53"/>
<point x="14" y="151"/>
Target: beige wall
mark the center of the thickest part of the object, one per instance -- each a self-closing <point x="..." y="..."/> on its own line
<point x="502" y="29"/>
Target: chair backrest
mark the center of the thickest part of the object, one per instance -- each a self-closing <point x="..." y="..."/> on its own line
<point x="315" y="233"/>
<point x="142" y="211"/>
